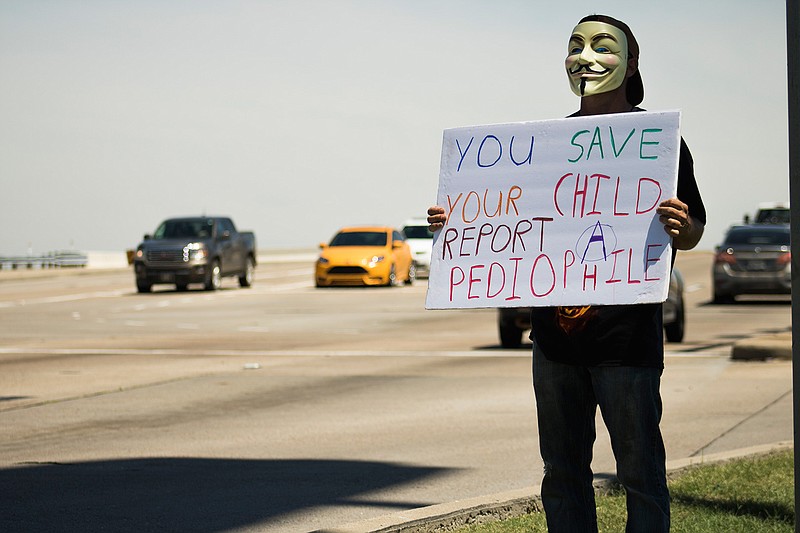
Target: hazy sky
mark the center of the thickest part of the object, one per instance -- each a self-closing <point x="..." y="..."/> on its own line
<point x="297" y="117"/>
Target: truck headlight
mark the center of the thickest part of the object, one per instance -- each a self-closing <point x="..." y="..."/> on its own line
<point x="195" y="251"/>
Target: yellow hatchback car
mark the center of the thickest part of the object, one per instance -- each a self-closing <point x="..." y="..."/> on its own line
<point x="365" y="255"/>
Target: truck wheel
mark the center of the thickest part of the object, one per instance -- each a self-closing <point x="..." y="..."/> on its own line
<point x="213" y="276"/>
<point x="143" y="286"/>
<point x="246" y="279"/>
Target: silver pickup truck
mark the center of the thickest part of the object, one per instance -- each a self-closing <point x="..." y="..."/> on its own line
<point x="195" y="250"/>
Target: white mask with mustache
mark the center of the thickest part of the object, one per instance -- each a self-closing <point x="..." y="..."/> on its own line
<point x="597" y="58"/>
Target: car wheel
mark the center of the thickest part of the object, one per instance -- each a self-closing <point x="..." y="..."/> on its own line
<point x="213" y="277"/>
<point x="510" y="335"/>
<point x="393" y="281"/>
<point x="246" y="279"/>
<point x="675" y="330"/>
<point x="412" y="273"/>
<point x="143" y="286"/>
<point x="721" y="298"/>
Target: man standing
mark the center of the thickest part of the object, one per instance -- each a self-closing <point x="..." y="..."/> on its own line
<point x="607" y="356"/>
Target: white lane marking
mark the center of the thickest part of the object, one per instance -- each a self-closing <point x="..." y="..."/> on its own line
<point x="262" y="289"/>
<point x="253" y="329"/>
<point x="499" y="352"/>
<point x="64" y="298"/>
<point x="280" y="288"/>
<point x="277" y="275"/>
<point x="267" y="353"/>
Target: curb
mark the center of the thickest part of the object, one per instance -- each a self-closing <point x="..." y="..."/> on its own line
<point x="453" y="515"/>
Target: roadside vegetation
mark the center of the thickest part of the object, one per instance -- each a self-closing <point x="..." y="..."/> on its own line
<point x="749" y="495"/>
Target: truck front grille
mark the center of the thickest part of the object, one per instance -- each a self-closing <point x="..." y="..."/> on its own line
<point x="165" y="256"/>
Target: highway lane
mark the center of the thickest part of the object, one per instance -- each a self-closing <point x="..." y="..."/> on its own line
<point x="289" y="408"/>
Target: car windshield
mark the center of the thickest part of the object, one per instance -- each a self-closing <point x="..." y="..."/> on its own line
<point x="360" y="238"/>
<point x="758" y="237"/>
<point x="180" y="229"/>
<point x="417" y="232"/>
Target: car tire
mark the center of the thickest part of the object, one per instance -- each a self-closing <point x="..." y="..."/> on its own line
<point x="143" y="286"/>
<point x="213" y="276"/>
<point x="722" y="298"/>
<point x="676" y="330"/>
<point x="412" y="274"/>
<point x="393" y="281"/>
<point x="246" y="279"/>
<point x="510" y="335"/>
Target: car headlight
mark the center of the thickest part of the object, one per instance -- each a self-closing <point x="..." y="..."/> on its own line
<point x="139" y="253"/>
<point x="375" y="260"/>
<point x="323" y="261"/>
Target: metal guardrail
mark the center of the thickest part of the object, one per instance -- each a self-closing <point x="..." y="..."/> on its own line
<point x="59" y="259"/>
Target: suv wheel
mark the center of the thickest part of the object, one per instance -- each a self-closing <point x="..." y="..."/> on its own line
<point x="510" y="335"/>
<point x="675" y="330"/>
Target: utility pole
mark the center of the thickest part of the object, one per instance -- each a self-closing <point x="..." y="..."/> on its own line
<point x="793" y="77"/>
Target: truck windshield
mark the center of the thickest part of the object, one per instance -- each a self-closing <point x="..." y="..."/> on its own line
<point x="773" y="216"/>
<point x="180" y="229"/>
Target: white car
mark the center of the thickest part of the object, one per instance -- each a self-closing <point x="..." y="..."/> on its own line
<point x="420" y="239"/>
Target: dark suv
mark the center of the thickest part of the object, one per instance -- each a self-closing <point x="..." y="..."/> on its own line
<point x="512" y="322"/>
<point x="753" y="259"/>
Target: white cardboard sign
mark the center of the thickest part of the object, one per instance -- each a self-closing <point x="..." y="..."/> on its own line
<point x="555" y="212"/>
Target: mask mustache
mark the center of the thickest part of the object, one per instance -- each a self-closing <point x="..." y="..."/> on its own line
<point x="587" y="69"/>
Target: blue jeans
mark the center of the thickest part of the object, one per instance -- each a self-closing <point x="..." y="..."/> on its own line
<point x="567" y="398"/>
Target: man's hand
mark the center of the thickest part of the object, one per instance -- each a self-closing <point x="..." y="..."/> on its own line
<point x="436" y="218"/>
<point x="674" y="216"/>
<point x="679" y="224"/>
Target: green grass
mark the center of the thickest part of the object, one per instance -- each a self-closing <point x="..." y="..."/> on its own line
<point x="751" y="495"/>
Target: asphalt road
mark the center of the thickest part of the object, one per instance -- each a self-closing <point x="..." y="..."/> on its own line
<point x="288" y="408"/>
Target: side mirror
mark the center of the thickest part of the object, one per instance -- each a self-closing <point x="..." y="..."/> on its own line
<point x="147" y="236"/>
<point x="397" y="244"/>
<point x="323" y="245"/>
<point x="225" y="235"/>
